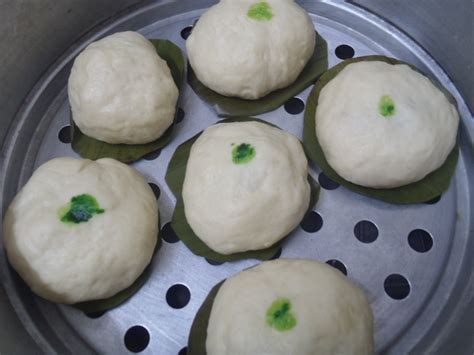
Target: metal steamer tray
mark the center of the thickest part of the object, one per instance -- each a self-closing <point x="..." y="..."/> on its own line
<point x="411" y="260"/>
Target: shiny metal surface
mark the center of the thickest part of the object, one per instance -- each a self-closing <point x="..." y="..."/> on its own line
<point x="441" y="279"/>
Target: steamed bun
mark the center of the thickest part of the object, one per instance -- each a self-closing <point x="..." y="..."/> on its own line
<point x="249" y="48"/>
<point x="246" y="186"/>
<point x="121" y="91"/>
<point x="289" y="306"/>
<point x="81" y="230"/>
<point x="383" y="126"/>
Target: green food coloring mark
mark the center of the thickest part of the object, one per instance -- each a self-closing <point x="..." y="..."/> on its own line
<point x="260" y="11"/>
<point x="386" y="106"/>
<point x="279" y="315"/>
<point x="243" y="153"/>
<point x="80" y="209"/>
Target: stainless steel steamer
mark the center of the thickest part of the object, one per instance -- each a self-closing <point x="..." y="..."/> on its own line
<point x="425" y="309"/>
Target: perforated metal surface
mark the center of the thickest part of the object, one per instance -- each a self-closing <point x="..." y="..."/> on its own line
<point x="401" y="324"/>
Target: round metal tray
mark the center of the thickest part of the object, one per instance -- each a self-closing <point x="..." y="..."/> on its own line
<point x="424" y="307"/>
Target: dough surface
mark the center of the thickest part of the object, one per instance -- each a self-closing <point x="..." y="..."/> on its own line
<point x="326" y="313"/>
<point x="249" y="48"/>
<point x="246" y="186"/>
<point x="70" y="262"/>
<point x="383" y="125"/>
<point x="121" y="91"/>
